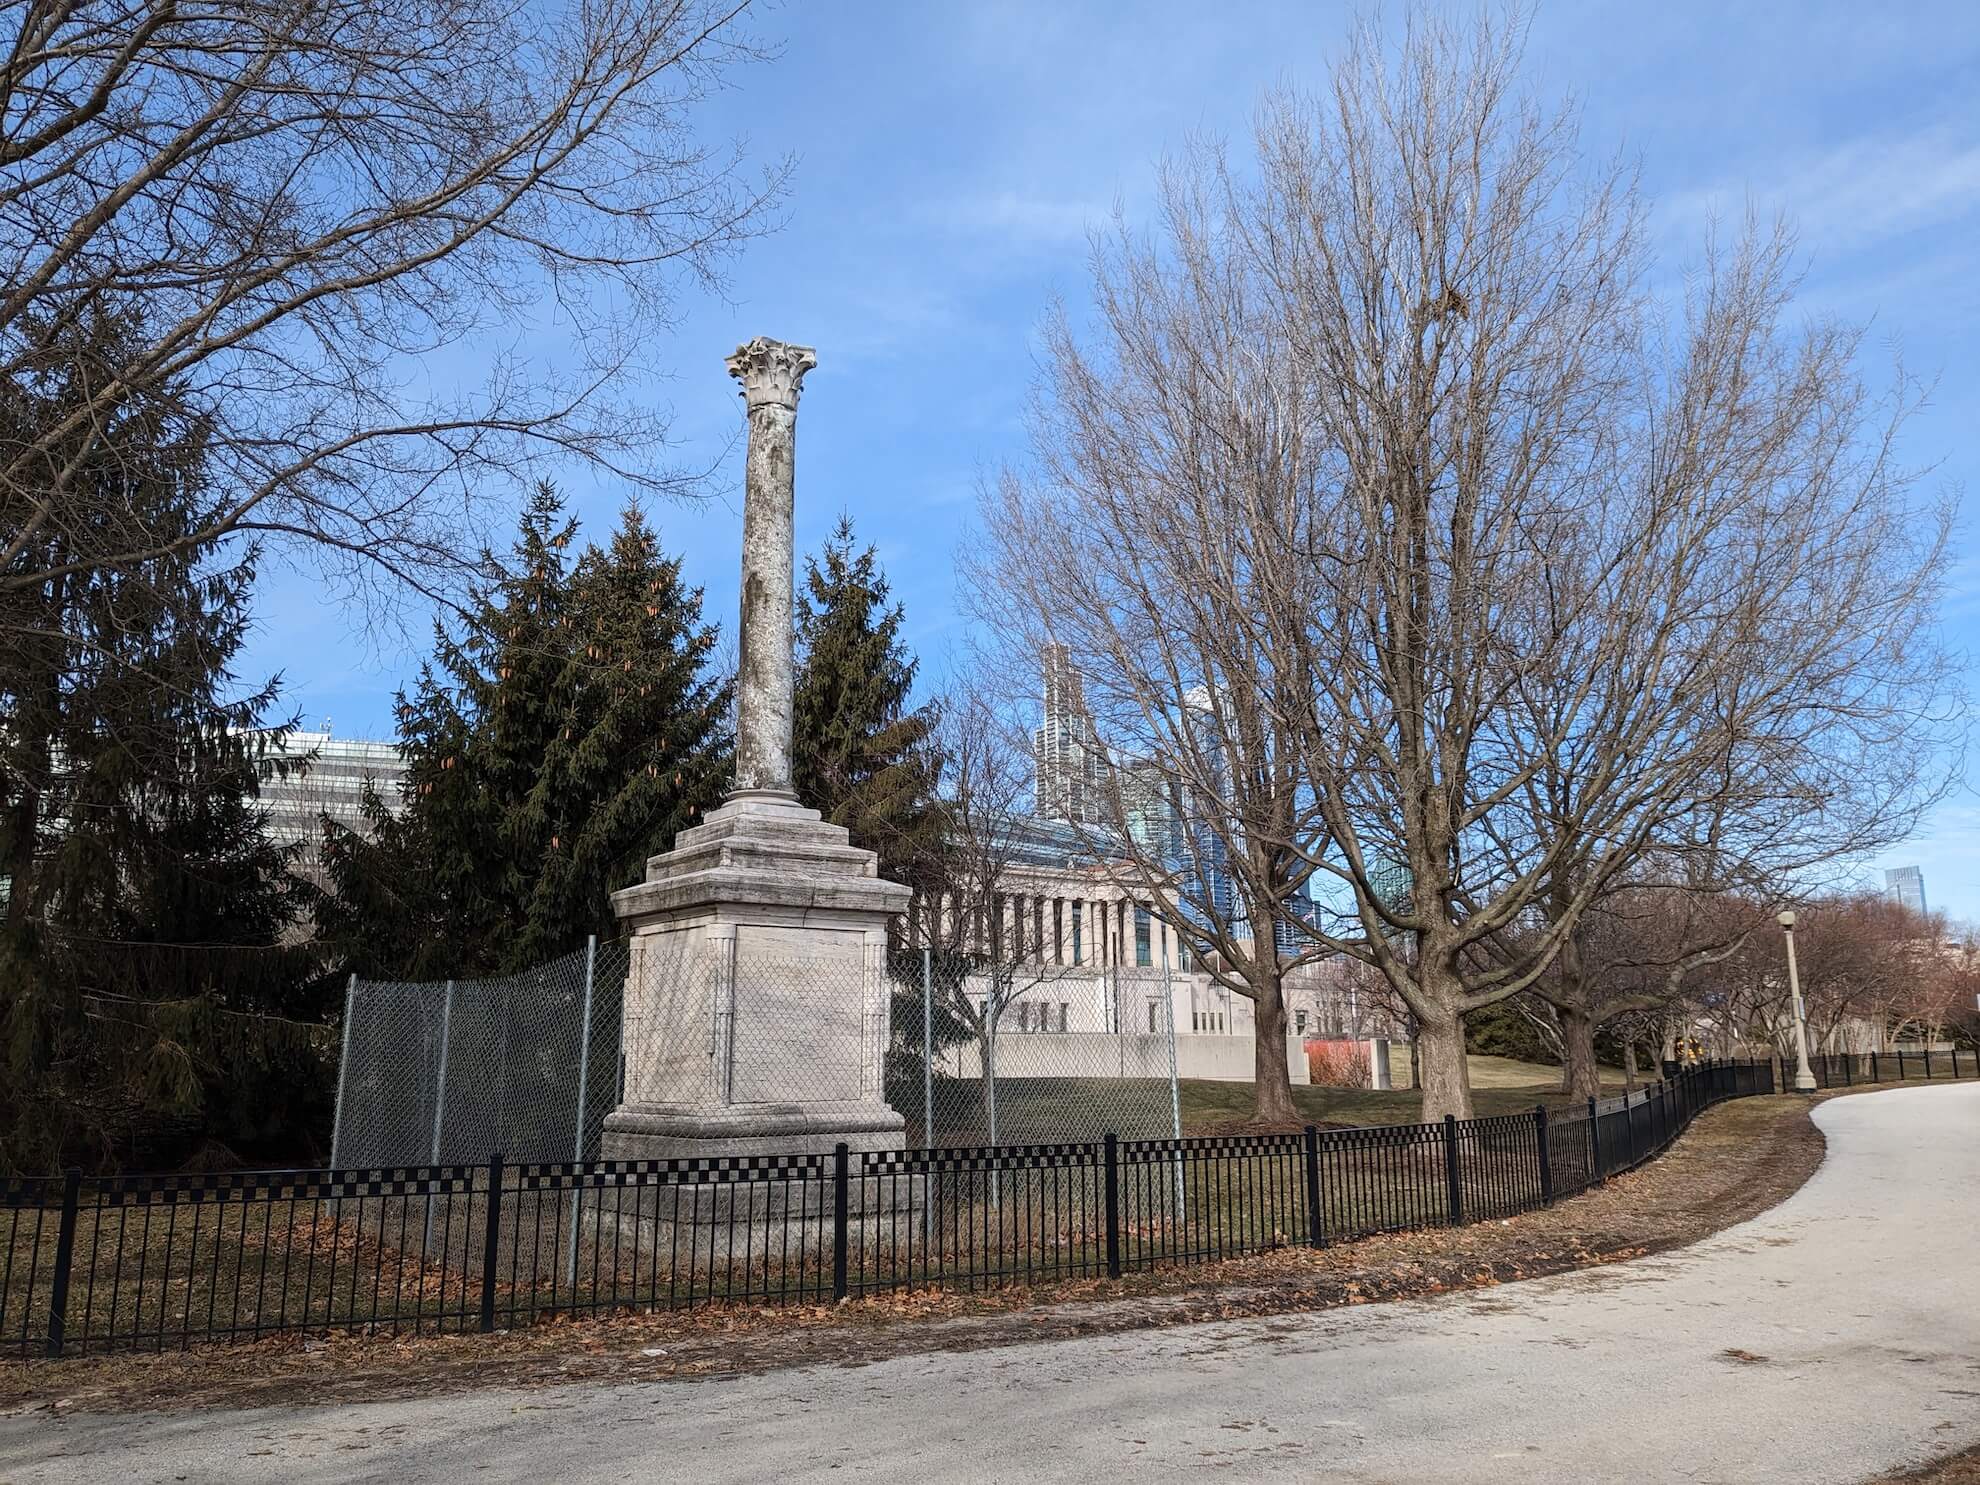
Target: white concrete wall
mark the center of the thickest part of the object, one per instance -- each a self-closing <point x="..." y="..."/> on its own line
<point x="1225" y="1059"/>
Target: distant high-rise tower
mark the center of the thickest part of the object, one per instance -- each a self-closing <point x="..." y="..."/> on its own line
<point x="1066" y="749"/>
<point x="1906" y="884"/>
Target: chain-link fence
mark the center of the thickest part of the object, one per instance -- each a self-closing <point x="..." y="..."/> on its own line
<point x="970" y="1053"/>
<point x="1023" y="1053"/>
<point x="761" y="1015"/>
<point x="525" y="1064"/>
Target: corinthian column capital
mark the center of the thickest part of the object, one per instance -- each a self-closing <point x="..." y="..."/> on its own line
<point x="771" y="371"/>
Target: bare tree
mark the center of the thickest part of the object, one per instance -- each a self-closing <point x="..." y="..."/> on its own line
<point x="1472" y="510"/>
<point x="1560" y="538"/>
<point x="1872" y="972"/>
<point x="1625" y="967"/>
<point x="1126" y="553"/>
<point x="282" y="203"/>
<point x="983" y="964"/>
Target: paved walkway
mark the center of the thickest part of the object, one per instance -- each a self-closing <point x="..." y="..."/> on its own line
<point x="1832" y="1338"/>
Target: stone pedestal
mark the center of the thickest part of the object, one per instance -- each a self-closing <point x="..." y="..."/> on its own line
<point x="757" y="997"/>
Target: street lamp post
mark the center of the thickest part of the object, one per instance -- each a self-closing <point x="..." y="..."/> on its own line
<point x="1804" y="1076"/>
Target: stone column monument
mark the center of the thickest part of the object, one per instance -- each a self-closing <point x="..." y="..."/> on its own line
<point x="756" y="1001"/>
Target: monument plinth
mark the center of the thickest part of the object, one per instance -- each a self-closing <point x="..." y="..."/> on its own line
<point x="757" y="1000"/>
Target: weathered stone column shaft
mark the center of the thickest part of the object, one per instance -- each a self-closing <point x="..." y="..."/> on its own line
<point x="771" y="373"/>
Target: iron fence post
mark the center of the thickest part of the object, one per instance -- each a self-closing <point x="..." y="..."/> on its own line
<point x="65" y="1253"/>
<point x="1595" y="1171"/>
<point x="491" y="1239"/>
<point x="1453" y="1188"/>
<point x="1112" y="1153"/>
<point x="841" y="1238"/>
<point x="1316" y="1217"/>
<point x="1546" y="1155"/>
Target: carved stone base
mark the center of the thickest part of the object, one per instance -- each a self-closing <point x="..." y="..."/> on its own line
<point x="689" y="1131"/>
<point x="757" y="1000"/>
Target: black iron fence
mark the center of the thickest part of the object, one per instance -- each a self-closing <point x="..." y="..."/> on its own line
<point x="150" y="1261"/>
<point x="1845" y="1069"/>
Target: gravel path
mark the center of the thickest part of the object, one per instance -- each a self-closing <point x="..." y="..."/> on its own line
<point x="1832" y="1338"/>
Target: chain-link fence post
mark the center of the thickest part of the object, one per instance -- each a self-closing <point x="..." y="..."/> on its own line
<point x="996" y="1014"/>
<point x="343" y="1072"/>
<point x="928" y="1049"/>
<point x="1119" y="1011"/>
<point x="439" y="1102"/>
<point x="724" y="1049"/>
<point x="584" y="1077"/>
<point x="1175" y="1087"/>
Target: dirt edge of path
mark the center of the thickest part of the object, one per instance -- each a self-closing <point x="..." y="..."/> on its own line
<point x="1735" y="1162"/>
<point x="1962" y="1468"/>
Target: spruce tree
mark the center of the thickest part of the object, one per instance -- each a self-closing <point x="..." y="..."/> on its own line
<point x="434" y="891"/>
<point x="150" y="995"/>
<point x="571" y="732"/>
<point x="862" y="756"/>
<point x="645" y="748"/>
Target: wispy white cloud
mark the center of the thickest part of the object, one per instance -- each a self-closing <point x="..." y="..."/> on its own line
<point x="1864" y="191"/>
<point x="1019" y="219"/>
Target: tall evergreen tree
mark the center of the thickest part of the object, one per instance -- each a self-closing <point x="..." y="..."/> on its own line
<point x="862" y="756"/>
<point x="570" y="733"/>
<point x="645" y="748"/>
<point x="432" y="892"/>
<point x="149" y="993"/>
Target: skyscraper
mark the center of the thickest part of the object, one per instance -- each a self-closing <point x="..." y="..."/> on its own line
<point x="1906" y="885"/>
<point x="1068" y="765"/>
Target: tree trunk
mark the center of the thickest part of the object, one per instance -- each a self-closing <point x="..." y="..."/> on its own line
<point x="1445" y="1076"/>
<point x="1582" y="1076"/>
<point x="1271" y="1078"/>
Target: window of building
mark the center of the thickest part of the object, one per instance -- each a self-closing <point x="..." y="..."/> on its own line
<point x="1299" y="1022"/>
<point x="1154" y="1010"/>
<point x="1079" y="933"/>
<point x="1062" y="1015"/>
<point x="1024" y="1015"/>
<point x="1143" y="948"/>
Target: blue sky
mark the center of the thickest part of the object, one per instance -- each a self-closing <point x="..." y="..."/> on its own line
<point x="952" y="158"/>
